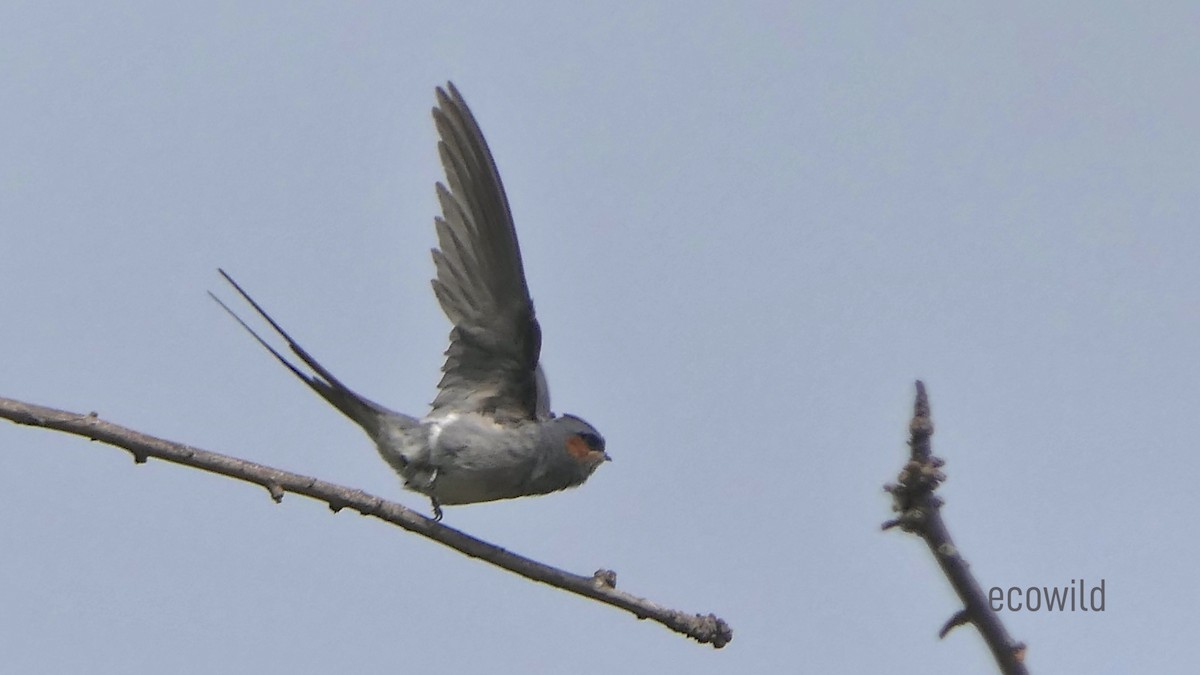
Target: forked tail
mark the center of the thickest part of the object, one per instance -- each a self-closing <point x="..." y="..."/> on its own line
<point x="365" y="412"/>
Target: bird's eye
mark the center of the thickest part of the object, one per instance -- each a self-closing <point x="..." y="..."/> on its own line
<point x="594" y="442"/>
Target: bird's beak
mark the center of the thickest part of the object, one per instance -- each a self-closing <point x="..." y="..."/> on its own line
<point x="607" y="458"/>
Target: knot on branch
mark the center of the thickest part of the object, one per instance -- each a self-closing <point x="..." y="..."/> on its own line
<point x="912" y="494"/>
<point x="605" y="578"/>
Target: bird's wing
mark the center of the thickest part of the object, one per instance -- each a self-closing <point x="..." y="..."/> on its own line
<point x="492" y="362"/>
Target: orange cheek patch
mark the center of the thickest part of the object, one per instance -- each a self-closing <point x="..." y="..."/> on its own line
<point x="578" y="448"/>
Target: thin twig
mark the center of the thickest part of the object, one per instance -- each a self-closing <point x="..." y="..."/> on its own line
<point x="920" y="513"/>
<point x="706" y="629"/>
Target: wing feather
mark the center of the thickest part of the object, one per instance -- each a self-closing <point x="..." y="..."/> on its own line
<point x="492" y="361"/>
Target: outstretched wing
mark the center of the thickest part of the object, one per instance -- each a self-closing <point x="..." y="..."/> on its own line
<point x="492" y="362"/>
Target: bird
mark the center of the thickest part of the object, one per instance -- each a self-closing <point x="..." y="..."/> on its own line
<point x="489" y="433"/>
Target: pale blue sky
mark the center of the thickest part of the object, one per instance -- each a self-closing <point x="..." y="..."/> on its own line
<point x="747" y="231"/>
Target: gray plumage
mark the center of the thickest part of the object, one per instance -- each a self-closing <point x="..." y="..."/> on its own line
<point x="490" y="433"/>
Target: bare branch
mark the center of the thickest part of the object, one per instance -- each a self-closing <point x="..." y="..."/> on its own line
<point x="920" y="513"/>
<point x="706" y="629"/>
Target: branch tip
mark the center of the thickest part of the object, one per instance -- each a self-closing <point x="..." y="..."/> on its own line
<point x="920" y="513"/>
<point x="713" y="630"/>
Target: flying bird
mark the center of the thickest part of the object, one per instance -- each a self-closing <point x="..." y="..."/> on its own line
<point x="489" y="434"/>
